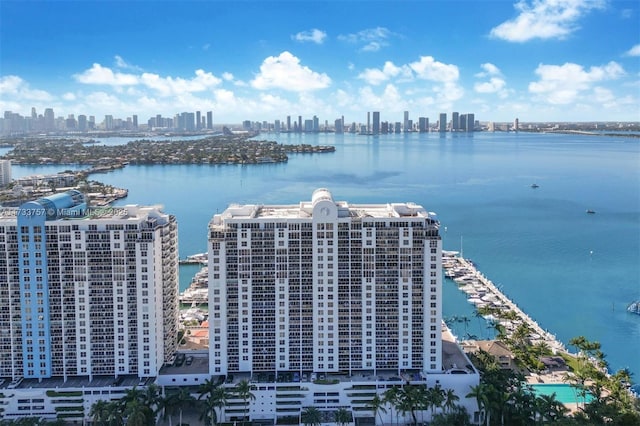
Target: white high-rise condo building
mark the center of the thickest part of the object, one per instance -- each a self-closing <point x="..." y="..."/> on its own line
<point x="5" y="172"/>
<point x="339" y="301"/>
<point x="86" y="292"/>
<point x="325" y="286"/>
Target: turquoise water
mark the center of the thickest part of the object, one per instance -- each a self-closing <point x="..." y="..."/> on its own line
<point x="564" y="393"/>
<point x="573" y="272"/>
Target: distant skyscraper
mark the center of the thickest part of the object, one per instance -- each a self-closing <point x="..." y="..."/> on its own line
<point x="471" y="122"/>
<point x="209" y="120"/>
<point x="455" y="121"/>
<point x="135" y="121"/>
<point x="277" y="126"/>
<point x="368" y="122"/>
<point x="442" y="122"/>
<point x="463" y="122"/>
<point x="299" y="123"/>
<point x="108" y="122"/>
<point x="338" y="126"/>
<point x="423" y="124"/>
<point x="376" y="123"/>
<point x="5" y="172"/>
<point x="288" y="123"/>
<point x="316" y="124"/>
<point x="406" y="126"/>
<point x="516" y="124"/>
<point x="49" y="120"/>
<point x="112" y="311"/>
<point x="198" y="120"/>
<point x="82" y="123"/>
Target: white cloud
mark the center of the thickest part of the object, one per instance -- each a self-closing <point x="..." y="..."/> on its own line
<point x="98" y="74"/>
<point x="429" y="69"/>
<point x="168" y="86"/>
<point x="12" y="86"/>
<point x="315" y="36"/>
<point x="444" y="76"/>
<point x="489" y="69"/>
<point x="227" y="76"/>
<point x="375" y="76"/>
<point x="544" y="19"/>
<point x="371" y="40"/>
<point x="634" y="51"/>
<point x="562" y="84"/>
<point x="285" y="72"/>
<point x="121" y="63"/>
<point x="69" y="96"/>
<point x="495" y="84"/>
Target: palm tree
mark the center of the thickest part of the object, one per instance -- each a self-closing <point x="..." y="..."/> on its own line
<point x="377" y="407"/>
<point x="174" y="402"/>
<point x="390" y="397"/>
<point x="99" y="412"/>
<point x="450" y="399"/>
<point x="243" y="391"/>
<point x="435" y="398"/>
<point x="480" y="392"/>
<point x="115" y="414"/>
<point x="137" y="406"/>
<point x="549" y="408"/>
<point x="311" y="416"/>
<point x="215" y="397"/>
<point x="343" y="416"/>
<point x="138" y="414"/>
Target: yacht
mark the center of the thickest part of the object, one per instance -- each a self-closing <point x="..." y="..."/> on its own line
<point x="589" y="211"/>
<point x="535" y="185"/>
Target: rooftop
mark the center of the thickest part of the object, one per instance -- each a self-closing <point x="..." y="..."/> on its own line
<point x="307" y="209"/>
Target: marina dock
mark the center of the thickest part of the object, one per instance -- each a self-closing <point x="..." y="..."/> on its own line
<point x="483" y="293"/>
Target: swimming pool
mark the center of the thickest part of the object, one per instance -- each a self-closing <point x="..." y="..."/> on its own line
<point x="564" y="392"/>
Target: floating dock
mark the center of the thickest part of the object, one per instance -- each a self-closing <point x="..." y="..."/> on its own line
<point x="483" y="293"/>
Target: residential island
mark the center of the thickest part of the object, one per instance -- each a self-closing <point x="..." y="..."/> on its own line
<point x="221" y="149"/>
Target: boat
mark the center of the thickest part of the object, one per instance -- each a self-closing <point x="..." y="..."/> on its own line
<point x="634" y="307"/>
<point x="589" y="211"/>
<point x="535" y="185"/>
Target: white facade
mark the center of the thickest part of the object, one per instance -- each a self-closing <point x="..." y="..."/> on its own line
<point x="89" y="296"/>
<point x="5" y="172"/>
<point x="322" y="303"/>
<point x="325" y="286"/>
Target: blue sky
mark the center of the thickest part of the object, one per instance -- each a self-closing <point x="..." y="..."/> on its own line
<point x="539" y="60"/>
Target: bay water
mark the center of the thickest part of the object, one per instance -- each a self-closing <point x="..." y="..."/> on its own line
<point x="571" y="271"/>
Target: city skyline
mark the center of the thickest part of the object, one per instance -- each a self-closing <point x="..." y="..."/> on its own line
<point x="539" y="61"/>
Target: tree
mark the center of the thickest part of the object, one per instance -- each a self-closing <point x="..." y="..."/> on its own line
<point x="435" y="398"/>
<point x="138" y="414"/>
<point x="343" y="416"/>
<point x="311" y="416"/>
<point x="174" y="402"/>
<point x="377" y="407"/>
<point x="390" y="397"/>
<point x="480" y="393"/>
<point x="457" y="416"/>
<point x="99" y="412"/>
<point x="215" y="397"/>
<point x="243" y="391"/>
<point x="450" y="399"/>
<point x="549" y="408"/>
<point x="137" y="406"/>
